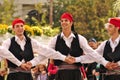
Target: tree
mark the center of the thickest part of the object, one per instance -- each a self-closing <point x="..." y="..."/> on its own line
<point x="89" y="16"/>
<point x="58" y="8"/>
<point x="6" y="11"/>
<point x="116" y="7"/>
<point x="37" y="16"/>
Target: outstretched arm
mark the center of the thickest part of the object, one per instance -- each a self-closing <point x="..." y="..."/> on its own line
<point x="8" y="55"/>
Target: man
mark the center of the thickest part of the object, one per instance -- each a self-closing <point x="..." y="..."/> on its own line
<point x="79" y="43"/>
<point x="5" y="54"/>
<point x="93" y="69"/>
<point x="93" y="43"/>
<point x="69" y="43"/>
<point x="23" y="47"/>
<point x="110" y="49"/>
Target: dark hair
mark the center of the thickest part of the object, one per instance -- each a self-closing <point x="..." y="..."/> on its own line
<point x="92" y="40"/>
<point x="45" y="68"/>
<point x="48" y="63"/>
<point x="72" y="28"/>
<point x="25" y="34"/>
<point x="119" y="31"/>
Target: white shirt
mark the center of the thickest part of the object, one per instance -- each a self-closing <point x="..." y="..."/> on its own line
<point x="43" y="51"/>
<point x="113" y="45"/>
<point x="4" y="53"/>
<point x="68" y="40"/>
<point x="91" y="56"/>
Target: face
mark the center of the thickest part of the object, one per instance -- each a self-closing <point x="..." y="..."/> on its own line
<point x="111" y="29"/>
<point x="18" y="29"/>
<point x="41" y="68"/>
<point x="93" y="45"/>
<point x="66" y="24"/>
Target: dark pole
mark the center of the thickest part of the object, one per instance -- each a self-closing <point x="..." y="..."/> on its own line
<point x="51" y="13"/>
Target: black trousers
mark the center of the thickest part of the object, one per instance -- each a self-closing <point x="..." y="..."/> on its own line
<point x="92" y="77"/>
<point x="112" y="77"/>
<point x="68" y="74"/>
<point x="1" y="77"/>
<point x="19" y="76"/>
<point x="51" y="77"/>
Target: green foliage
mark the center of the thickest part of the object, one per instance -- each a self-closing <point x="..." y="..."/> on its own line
<point x="42" y="14"/>
<point x="38" y="7"/>
<point x="6" y="11"/>
<point x="3" y="28"/>
<point x="116" y="7"/>
<point x="37" y="30"/>
<point x="48" y="31"/>
<point x="60" y="7"/>
<point x="10" y="30"/>
<point x="89" y="16"/>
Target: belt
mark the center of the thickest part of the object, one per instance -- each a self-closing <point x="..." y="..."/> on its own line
<point x="112" y="72"/>
<point x="18" y="69"/>
<point x="67" y="66"/>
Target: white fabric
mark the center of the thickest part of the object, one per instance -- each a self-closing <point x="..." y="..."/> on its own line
<point x="43" y="51"/>
<point x="90" y="56"/>
<point x="113" y="45"/>
<point x="4" y="53"/>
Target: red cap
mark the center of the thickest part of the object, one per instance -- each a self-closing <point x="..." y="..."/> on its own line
<point x="68" y="16"/>
<point x="114" y="21"/>
<point x="17" y="21"/>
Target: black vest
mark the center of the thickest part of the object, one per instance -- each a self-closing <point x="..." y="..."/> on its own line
<point x="16" y="50"/>
<point x="75" y="49"/>
<point x="109" y="55"/>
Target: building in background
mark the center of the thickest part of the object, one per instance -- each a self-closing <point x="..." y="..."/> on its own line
<point x="25" y="6"/>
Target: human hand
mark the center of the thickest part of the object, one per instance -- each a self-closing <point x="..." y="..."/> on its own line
<point x="43" y="72"/>
<point x="35" y="70"/>
<point x="96" y="73"/>
<point x="48" y="73"/>
<point x="114" y="65"/>
<point x="28" y="65"/>
<point x="24" y="66"/>
<point x="3" y="72"/>
<point x="70" y="59"/>
<point x="111" y="65"/>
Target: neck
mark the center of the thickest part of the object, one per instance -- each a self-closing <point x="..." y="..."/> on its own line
<point x="114" y="37"/>
<point x="67" y="33"/>
<point x="20" y="37"/>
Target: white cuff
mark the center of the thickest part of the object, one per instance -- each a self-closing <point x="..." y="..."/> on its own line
<point x="33" y="62"/>
<point x="118" y="63"/>
<point x="62" y="57"/>
<point x="77" y="59"/>
<point x="104" y="62"/>
<point x="19" y="63"/>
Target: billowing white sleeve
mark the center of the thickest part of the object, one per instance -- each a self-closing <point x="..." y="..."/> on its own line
<point x="84" y="59"/>
<point x="1" y="58"/>
<point x="45" y="52"/>
<point x="37" y="60"/>
<point x="93" y="55"/>
<point x="87" y="58"/>
<point x="6" y="54"/>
